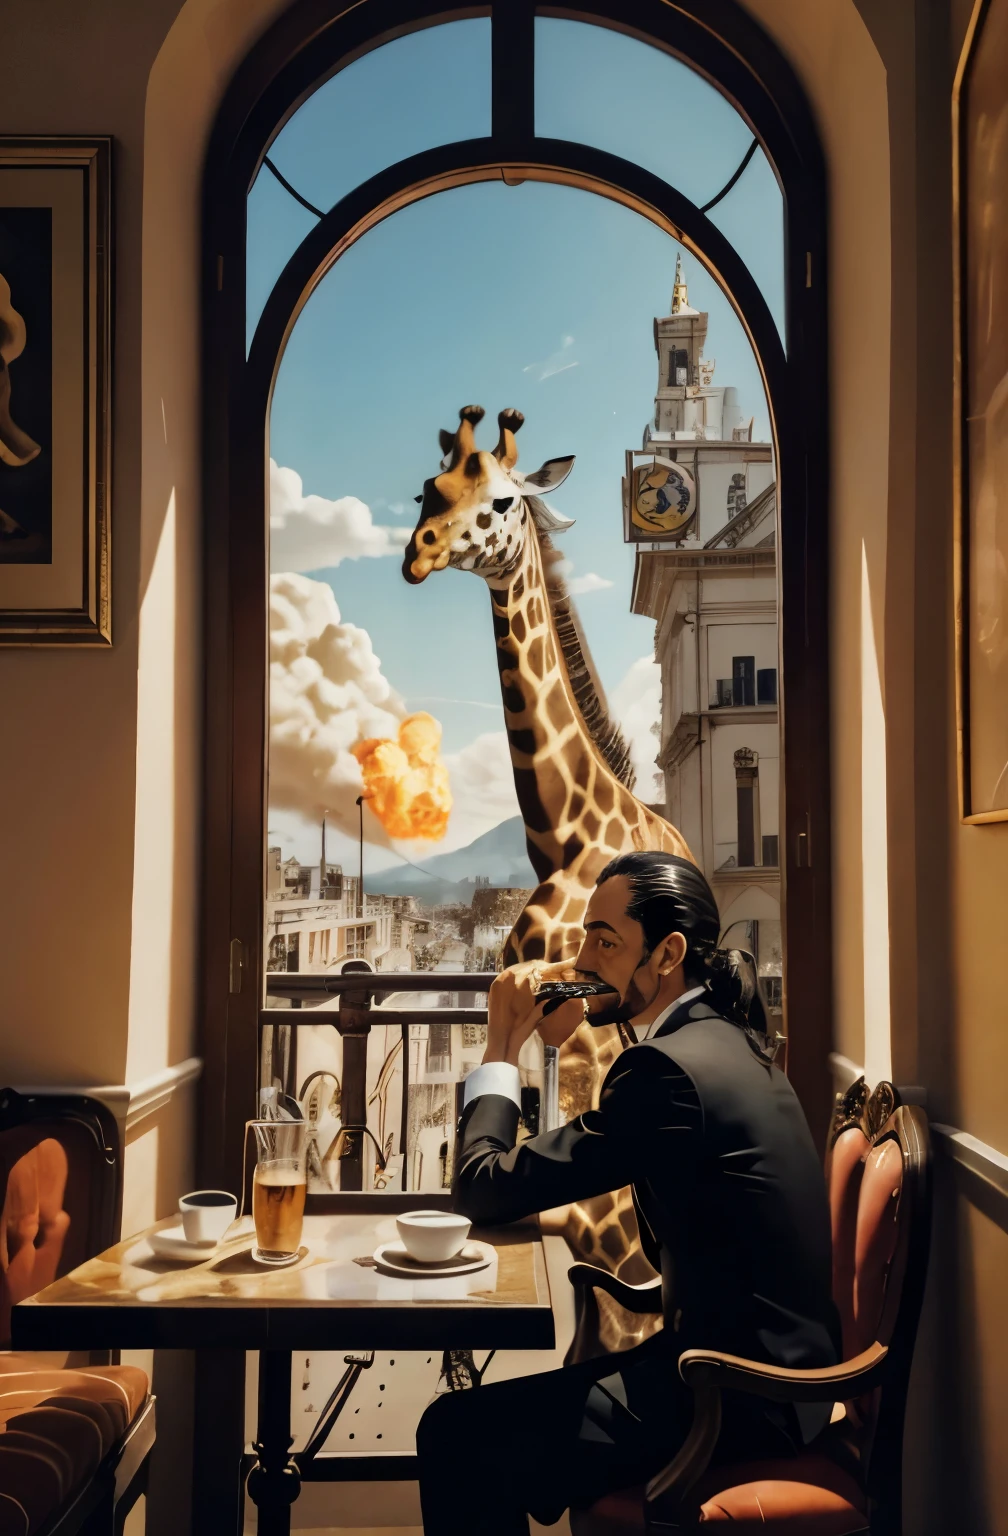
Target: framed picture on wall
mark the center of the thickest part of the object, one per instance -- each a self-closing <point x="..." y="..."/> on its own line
<point x="54" y="391"/>
<point x="980" y="169"/>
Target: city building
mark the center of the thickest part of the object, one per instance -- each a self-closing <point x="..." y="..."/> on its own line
<point x="316" y="920"/>
<point x="706" y="572"/>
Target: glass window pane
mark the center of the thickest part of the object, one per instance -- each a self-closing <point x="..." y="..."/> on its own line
<point x="598" y="87"/>
<point x="381" y="109"/>
<point x="752" y="218"/>
<point x="276" y="225"/>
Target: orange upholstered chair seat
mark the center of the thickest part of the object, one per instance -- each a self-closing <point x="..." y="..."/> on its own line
<point x="56" y="1427"/>
<point x="809" y="1496"/>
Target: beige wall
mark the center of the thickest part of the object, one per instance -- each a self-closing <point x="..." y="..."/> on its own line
<point x="833" y="53"/>
<point x="67" y="772"/>
<point x="103" y="777"/>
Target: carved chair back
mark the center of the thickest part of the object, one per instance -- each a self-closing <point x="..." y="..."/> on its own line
<point x="60" y="1191"/>
<point x="878" y="1174"/>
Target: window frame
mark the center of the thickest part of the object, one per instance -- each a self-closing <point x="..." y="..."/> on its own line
<point x="303" y="49"/>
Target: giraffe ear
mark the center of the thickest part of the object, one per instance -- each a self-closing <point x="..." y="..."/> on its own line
<point x="447" y="440"/>
<point x="553" y="473"/>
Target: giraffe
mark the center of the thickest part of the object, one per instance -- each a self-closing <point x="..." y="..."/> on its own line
<point x="571" y="766"/>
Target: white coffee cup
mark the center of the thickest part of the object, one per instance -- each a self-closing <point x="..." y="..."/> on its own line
<point x="432" y="1236"/>
<point x="207" y="1214"/>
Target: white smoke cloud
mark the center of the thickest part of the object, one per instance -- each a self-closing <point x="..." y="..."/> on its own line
<point x="483" y="788"/>
<point x="578" y="586"/>
<point x="327" y="691"/>
<point x="309" y="533"/>
<point x="636" y="703"/>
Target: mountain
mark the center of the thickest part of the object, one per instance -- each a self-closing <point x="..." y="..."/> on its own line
<point x="498" y="854"/>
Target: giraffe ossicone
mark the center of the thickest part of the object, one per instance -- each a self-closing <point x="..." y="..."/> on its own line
<point x="571" y="764"/>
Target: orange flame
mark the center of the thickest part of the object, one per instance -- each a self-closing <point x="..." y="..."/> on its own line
<point x="405" y="781"/>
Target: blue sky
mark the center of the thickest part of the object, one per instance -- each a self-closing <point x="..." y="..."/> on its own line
<point x="538" y="296"/>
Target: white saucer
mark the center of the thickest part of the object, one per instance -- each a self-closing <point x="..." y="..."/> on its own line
<point x="172" y="1243"/>
<point x="394" y="1258"/>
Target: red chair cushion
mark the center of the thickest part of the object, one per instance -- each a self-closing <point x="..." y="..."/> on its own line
<point x="33" y="1224"/>
<point x="846" y="1167"/>
<point x="810" y="1496"/>
<point x="877" y="1231"/>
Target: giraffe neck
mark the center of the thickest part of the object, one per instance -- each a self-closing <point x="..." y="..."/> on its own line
<point x="566" y="792"/>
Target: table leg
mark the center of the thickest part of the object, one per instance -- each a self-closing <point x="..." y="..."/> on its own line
<point x="274" y="1481"/>
<point x="218" y="1441"/>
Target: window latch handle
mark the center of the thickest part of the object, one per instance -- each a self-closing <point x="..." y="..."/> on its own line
<point x="803" y="846"/>
<point x="237" y="967"/>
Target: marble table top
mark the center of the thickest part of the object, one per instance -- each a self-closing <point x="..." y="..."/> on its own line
<point x="332" y="1297"/>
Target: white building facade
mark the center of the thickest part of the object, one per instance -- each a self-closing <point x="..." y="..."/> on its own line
<point x="709" y="580"/>
<point x="316" y="921"/>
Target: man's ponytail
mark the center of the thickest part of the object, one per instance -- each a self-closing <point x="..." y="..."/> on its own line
<point x="731" y="978"/>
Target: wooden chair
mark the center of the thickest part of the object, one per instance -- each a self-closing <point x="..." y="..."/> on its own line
<point x="75" y="1433"/>
<point x="849" y="1482"/>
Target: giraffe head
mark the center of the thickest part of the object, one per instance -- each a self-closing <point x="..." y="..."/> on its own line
<point x="475" y="514"/>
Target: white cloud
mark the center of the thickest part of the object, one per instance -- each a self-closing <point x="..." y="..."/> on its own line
<point x="327" y="691"/>
<point x="483" y="789"/>
<point x="636" y="703"/>
<point x="309" y="533"/>
<point x="440" y="698"/>
<point x="589" y="582"/>
<point x="557" y="362"/>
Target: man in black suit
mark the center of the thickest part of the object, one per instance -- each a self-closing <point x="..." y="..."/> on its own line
<point x="730" y="1199"/>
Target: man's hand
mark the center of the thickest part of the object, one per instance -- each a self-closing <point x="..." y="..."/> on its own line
<point x="514" y="1013"/>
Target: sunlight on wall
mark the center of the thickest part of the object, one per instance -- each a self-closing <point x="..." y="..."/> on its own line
<point x="874" y="848"/>
<point x="154" y="848"/>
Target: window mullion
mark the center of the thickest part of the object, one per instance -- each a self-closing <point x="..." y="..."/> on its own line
<point x="513" y="75"/>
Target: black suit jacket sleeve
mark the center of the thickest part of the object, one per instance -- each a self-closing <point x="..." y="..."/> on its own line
<point x="649" y="1109"/>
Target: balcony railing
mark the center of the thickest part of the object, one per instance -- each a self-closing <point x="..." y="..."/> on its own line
<point x="354" y="1017"/>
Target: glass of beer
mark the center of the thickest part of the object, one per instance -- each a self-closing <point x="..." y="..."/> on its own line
<point x="278" y="1189"/>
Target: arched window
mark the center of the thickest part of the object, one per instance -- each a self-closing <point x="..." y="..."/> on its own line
<point x="517" y="111"/>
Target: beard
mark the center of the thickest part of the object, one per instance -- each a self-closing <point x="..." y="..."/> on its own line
<point x="619" y="1010"/>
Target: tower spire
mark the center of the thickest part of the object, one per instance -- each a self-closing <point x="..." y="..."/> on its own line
<point x="679" y="298"/>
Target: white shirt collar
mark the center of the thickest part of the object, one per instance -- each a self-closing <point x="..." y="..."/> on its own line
<point x="656" y="1024"/>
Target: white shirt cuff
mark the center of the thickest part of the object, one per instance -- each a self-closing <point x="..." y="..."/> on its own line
<point x="494" y="1077"/>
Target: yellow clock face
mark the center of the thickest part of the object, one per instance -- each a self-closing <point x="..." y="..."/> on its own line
<point x="663" y="499"/>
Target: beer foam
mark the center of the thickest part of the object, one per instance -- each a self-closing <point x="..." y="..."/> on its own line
<point x="287" y="1175"/>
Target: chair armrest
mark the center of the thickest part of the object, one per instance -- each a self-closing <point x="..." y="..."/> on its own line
<point x="702" y="1368"/>
<point x="636" y="1298"/>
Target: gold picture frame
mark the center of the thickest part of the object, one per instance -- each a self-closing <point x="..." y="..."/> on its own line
<point x="980" y="415"/>
<point x="55" y="360"/>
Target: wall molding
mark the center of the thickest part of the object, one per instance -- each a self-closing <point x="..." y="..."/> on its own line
<point x="969" y="1152"/>
<point x="131" y="1103"/>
